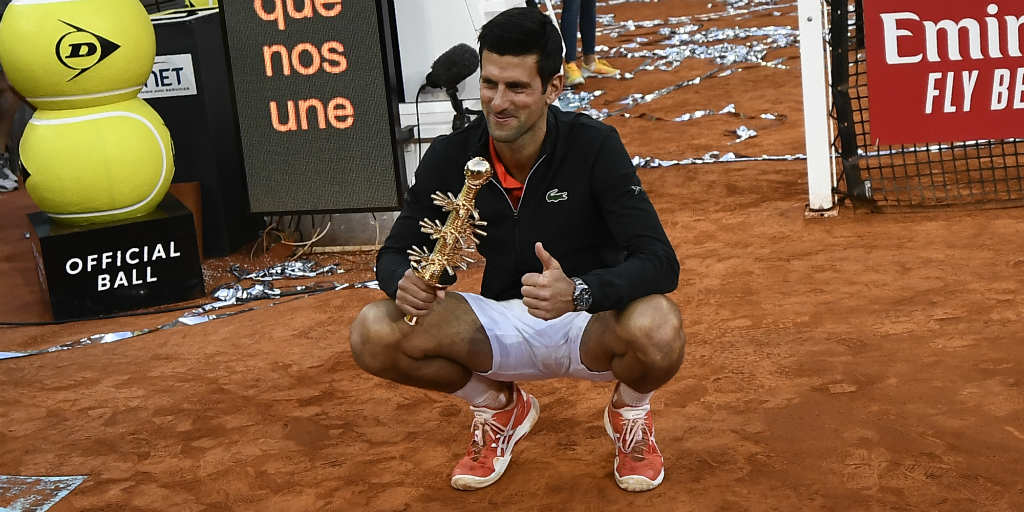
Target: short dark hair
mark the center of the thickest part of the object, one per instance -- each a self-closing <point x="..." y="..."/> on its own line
<point x="525" y="31"/>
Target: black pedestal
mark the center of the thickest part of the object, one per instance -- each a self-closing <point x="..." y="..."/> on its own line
<point x="100" y="269"/>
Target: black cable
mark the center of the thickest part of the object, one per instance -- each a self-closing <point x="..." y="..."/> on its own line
<point x="142" y="313"/>
<point x="102" y="317"/>
<point x="419" y="132"/>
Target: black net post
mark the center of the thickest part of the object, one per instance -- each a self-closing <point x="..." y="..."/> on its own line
<point x="846" y="130"/>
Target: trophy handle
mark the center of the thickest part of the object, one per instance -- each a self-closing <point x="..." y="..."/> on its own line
<point x="462" y="224"/>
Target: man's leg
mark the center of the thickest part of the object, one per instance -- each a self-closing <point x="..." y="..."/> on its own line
<point x="569" y="25"/>
<point x="440" y="352"/>
<point x="446" y="351"/>
<point x="643" y="346"/>
<point x="588" y="26"/>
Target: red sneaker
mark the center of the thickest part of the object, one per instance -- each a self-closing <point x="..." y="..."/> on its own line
<point x="638" y="462"/>
<point x="495" y="433"/>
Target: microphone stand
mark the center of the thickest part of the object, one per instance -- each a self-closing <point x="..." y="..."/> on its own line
<point x="461" y="119"/>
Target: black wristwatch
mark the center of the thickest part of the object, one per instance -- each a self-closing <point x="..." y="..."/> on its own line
<point x="581" y="297"/>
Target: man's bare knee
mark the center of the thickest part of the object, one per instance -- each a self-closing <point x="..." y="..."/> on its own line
<point x="653" y="329"/>
<point x="374" y="337"/>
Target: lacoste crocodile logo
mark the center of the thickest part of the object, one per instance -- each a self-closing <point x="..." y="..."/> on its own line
<point x="555" y="196"/>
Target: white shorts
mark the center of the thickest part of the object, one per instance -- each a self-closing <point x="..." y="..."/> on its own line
<point x="528" y="348"/>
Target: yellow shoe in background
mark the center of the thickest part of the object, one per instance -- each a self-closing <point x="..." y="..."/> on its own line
<point x="573" y="76"/>
<point x="600" y="68"/>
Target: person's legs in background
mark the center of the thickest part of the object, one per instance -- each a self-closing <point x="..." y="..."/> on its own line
<point x="592" y="66"/>
<point x="569" y="24"/>
<point x="588" y="28"/>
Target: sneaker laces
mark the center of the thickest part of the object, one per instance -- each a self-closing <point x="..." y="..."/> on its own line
<point x="635" y="436"/>
<point x="485" y="427"/>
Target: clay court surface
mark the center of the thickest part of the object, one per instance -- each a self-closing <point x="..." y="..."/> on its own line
<point x="865" y="362"/>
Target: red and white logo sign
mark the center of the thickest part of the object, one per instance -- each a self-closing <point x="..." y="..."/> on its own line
<point x="944" y="70"/>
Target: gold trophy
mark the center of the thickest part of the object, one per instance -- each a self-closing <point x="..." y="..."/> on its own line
<point x="458" y="233"/>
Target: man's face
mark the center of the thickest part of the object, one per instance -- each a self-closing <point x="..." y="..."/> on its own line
<point x="513" y="98"/>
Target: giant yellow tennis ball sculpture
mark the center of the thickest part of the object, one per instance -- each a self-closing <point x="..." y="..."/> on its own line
<point x="77" y="53"/>
<point x="97" y="164"/>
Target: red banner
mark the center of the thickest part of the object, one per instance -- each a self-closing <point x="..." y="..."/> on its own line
<point x="944" y="70"/>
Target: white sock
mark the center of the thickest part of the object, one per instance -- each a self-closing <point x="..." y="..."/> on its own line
<point x="633" y="398"/>
<point x="483" y="392"/>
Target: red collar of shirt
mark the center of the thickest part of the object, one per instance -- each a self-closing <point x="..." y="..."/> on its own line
<point x="512" y="187"/>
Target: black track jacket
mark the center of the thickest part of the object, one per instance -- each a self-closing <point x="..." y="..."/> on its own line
<point x="583" y="200"/>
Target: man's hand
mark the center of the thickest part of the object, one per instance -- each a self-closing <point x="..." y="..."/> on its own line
<point x="547" y="295"/>
<point x="415" y="296"/>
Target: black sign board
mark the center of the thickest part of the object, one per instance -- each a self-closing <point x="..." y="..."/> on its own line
<point x="100" y="269"/>
<point x="313" y="88"/>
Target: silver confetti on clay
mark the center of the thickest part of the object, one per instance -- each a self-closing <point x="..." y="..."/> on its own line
<point x="712" y="157"/>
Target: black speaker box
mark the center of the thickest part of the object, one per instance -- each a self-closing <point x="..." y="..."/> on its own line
<point x="197" y="107"/>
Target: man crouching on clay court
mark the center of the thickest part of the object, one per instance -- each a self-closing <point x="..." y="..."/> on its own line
<point x="574" y="275"/>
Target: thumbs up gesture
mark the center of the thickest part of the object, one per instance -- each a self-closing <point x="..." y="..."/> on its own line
<point x="547" y="295"/>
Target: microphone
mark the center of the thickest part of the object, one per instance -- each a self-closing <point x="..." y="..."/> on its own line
<point x="448" y="71"/>
<point x="453" y="66"/>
